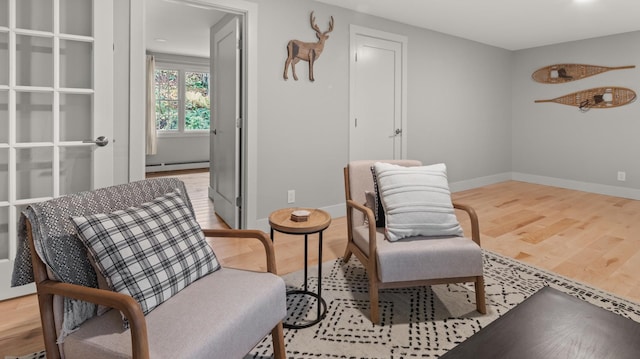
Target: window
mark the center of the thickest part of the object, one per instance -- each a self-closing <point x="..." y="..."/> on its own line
<point x="182" y="99"/>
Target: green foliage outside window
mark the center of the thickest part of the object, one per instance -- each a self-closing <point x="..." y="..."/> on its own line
<point x="196" y="101"/>
<point x="197" y="105"/>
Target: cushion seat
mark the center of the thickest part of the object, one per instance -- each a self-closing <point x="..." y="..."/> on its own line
<point x="419" y="258"/>
<point x="225" y="320"/>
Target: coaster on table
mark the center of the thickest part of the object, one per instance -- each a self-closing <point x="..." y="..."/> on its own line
<point x="300" y="215"/>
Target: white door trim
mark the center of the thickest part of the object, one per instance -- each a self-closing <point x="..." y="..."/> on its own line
<point x="249" y="100"/>
<point x="354" y="31"/>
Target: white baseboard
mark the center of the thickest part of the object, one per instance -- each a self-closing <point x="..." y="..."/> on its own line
<point x="339" y="210"/>
<point x="176" y="167"/>
<point x="608" y="190"/>
<point x="479" y="182"/>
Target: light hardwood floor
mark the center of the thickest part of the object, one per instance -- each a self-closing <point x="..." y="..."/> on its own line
<point x="588" y="237"/>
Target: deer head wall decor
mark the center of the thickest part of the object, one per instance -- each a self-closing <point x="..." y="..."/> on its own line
<point x="306" y="51"/>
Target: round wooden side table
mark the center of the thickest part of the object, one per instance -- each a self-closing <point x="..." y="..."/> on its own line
<point x="317" y="222"/>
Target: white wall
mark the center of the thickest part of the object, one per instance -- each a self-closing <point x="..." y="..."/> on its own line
<point x="458" y="105"/>
<point x="469" y="105"/>
<point x="559" y="145"/>
<point x="186" y="148"/>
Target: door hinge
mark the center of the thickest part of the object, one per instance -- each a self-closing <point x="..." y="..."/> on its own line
<point x="239" y="44"/>
<point x="356" y="56"/>
<point x="239" y="122"/>
<point x="238" y="201"/>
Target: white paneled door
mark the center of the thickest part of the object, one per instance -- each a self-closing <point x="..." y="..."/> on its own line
<point x="377" y="71"/>
<point x="56" y="108"/>
<point x="226" y="124"/>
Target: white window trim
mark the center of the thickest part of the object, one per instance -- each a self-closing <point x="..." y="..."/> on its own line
<point x="182" y="65"/>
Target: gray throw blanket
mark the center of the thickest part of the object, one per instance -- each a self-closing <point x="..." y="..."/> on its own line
<point x="57" y="244"/>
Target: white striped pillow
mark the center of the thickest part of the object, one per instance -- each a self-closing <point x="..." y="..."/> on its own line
<point x="416" y="201"/>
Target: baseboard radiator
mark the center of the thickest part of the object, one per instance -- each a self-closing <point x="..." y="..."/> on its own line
<point x="176" y="166"/>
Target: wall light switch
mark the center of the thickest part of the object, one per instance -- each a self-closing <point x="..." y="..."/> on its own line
<point x="291" y="196"/>
<point x="622" y="176"/>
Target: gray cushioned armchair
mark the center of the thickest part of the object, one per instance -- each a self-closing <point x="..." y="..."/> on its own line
<point x="224" y="314"/>
<point x="413" y="261"/>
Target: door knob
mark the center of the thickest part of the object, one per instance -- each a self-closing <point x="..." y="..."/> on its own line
<point x="396" y="132"/>
<point x="101" y="141"/>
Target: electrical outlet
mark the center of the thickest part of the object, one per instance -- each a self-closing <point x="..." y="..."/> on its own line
<point x="622" y="176"/>
<point x="291" y="196"/>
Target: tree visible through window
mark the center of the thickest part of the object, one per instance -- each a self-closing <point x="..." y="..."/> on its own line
<point x="182" y="100"/>
<point x="167" y="99"/>
<point x="197" y="109"/>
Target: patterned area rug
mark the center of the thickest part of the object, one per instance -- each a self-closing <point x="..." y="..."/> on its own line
<point x="38" y="355"/>
<point x="422" y="322"/>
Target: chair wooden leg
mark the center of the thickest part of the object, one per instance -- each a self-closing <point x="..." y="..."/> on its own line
<point x="347" y="254"/>
<point x="277" y="335"/>
<point x="481" y="305"/>
<point x="47" y="321"/>
<point x="373" y="300"/>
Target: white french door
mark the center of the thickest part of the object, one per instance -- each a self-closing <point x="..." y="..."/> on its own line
<point x="56" y="108"/>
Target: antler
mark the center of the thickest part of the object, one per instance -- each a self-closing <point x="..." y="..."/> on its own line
<point x="313" y="23"/>
<point x="330" y="26"/>
<point x="315" y="26"/>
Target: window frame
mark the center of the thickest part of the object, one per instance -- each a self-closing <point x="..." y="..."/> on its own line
<point x="182" y="66"/>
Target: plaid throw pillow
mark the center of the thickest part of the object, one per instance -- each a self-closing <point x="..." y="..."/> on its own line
<point x="150" y="252"/>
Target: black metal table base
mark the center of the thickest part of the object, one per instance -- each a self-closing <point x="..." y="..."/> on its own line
<point x="322" y="310"/>
<point x="321" y="304"/>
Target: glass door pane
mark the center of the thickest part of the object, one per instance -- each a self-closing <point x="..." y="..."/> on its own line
<point x="4" y="117"/>
<point x="34" y="117"/>
<point x="75" y="169"/>
<point x="4" y="233"/>
<point x="34" y="15"/>
<point x="75" y="64"/>
<point x="34" y="61"/>
<point x="75" y="109"/>
<point x="4" y="174"/>
<point x="75" y="17"/>
<point x="34" y="172"/>
<point x="4" y="56"/>
<point x="4" y="13"/>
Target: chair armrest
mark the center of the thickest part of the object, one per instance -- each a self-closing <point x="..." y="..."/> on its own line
<point x="126" y="304"/>
<point x="475" y="227"/>
<point x="371" y="220"/>
<point x="368" y="213"/>
<point x="248" y="233"/>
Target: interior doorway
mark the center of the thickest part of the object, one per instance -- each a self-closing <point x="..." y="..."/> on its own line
<point x="247" y="13"/>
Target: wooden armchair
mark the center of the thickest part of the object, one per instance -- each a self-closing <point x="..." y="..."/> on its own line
<point x="223" y="314"/>
<point x="415" y="261"/>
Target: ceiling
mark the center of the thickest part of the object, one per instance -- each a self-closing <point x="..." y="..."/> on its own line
<point x="181" y="29"/>
<point x="509" y="24"/>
